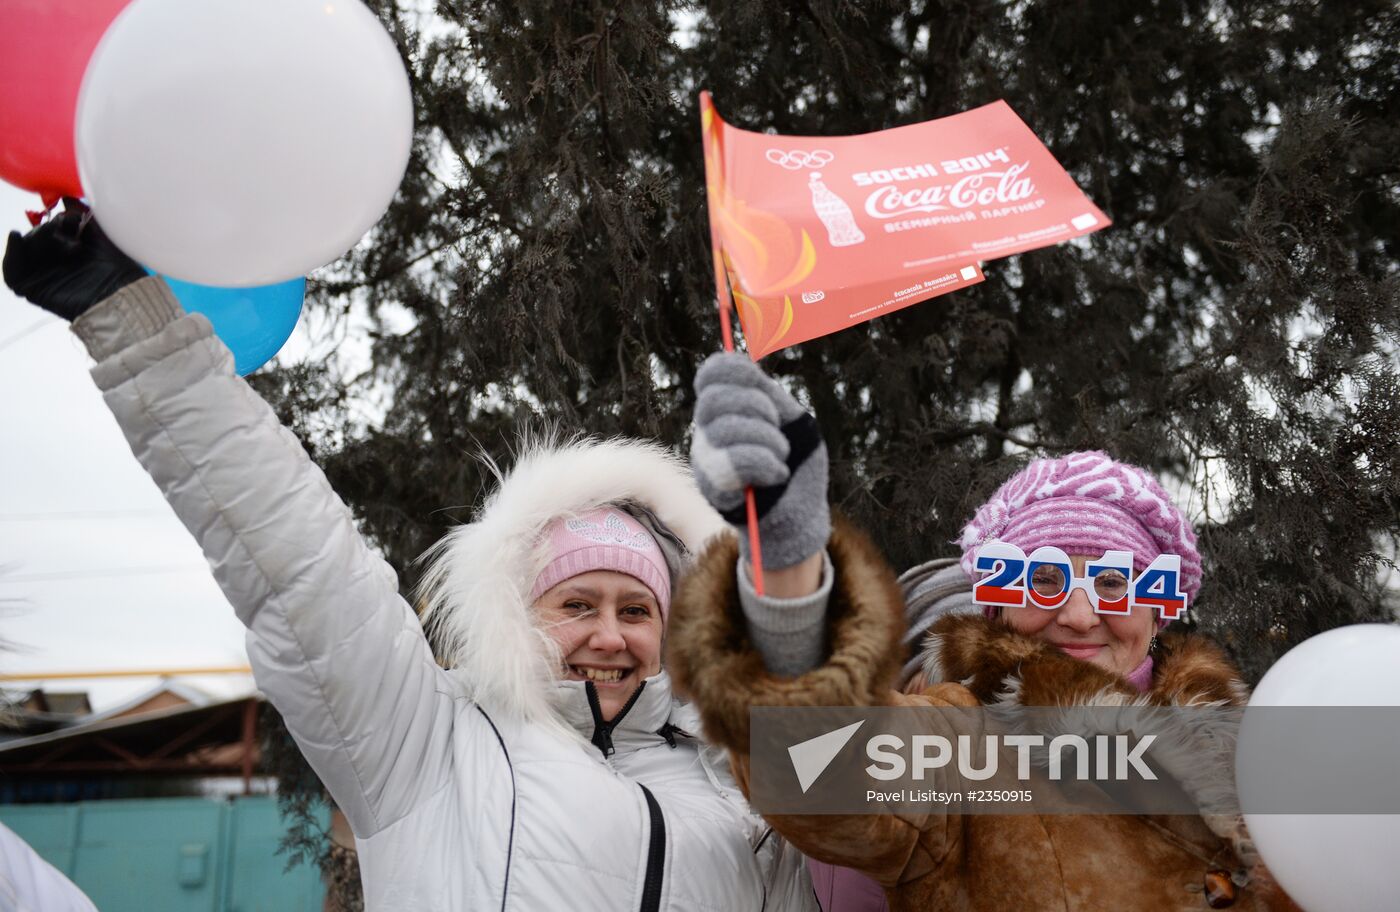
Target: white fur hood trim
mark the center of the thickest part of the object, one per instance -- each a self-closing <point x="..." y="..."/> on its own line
<point x="475" y="590"/>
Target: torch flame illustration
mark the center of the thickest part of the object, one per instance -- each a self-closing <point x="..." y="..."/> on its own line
<point x="763" y="255"/>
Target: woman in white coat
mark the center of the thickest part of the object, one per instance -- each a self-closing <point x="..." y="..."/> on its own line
<point x="547" y="765"/>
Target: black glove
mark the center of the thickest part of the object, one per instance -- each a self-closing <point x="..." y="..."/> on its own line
<point x="67" y="264"/>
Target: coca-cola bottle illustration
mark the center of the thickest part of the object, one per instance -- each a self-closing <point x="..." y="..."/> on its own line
<point x="841" y="227"/>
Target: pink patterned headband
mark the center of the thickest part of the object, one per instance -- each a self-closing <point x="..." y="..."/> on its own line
<point x="604" y="539"/>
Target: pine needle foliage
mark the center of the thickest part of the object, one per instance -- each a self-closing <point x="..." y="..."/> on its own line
<point x="1236" y="330"/>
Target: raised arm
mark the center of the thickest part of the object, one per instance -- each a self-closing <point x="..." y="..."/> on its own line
<point x="718" y="665"/>
<point x="333" y="645"/>
<point x="826" y="634"/>
<point x="749" y="431"/>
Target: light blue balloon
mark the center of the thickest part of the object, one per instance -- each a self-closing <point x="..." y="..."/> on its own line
<point x="253" y="322"/>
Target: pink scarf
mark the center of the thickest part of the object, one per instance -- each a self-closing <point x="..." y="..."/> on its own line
<point x="1141" y="677"/>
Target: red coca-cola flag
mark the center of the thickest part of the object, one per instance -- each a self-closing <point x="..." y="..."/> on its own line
<point x="818" y="233"/>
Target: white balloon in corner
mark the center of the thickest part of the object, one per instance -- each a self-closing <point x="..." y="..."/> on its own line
<point x="1327" y="862"/>
<point x="242" y="142"/>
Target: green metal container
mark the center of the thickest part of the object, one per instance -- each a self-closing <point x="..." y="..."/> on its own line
<point x="171" y="854"/>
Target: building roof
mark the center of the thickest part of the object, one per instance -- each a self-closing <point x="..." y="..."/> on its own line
<point x="184" y="738"/>
<point x="28" y="713"/>
<point x="60" y="703"/>
<point x="39" y="711"/>
<point x="165" y="693"/>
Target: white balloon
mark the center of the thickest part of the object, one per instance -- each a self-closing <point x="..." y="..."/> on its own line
<point x="242" y="142"/>
<point x="1357" y="665"/>
<point x="1330" y="861"/>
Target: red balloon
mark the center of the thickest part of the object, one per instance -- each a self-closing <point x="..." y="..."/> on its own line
<point x="44" y="50"/>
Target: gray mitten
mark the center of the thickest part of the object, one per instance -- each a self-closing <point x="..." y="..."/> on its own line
<point x="750" y="431"/>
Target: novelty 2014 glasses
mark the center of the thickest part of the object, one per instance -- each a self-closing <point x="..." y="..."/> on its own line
<point x="1046" y="579"/>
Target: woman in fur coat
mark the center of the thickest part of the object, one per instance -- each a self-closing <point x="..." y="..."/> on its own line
<point x="545" y="763"/>
<point x="838" y="645"/>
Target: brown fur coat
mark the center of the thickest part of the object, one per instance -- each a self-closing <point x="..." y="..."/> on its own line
<point x="949" y="861"/>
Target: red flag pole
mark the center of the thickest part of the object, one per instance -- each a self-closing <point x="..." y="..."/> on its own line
<point x="726" y="304"/>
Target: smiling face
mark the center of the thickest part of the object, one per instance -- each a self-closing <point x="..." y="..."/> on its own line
<point x="1117" y="643"/>
<point x="608" y="628"/>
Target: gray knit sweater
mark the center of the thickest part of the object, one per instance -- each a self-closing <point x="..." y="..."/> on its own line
<point x="790" y="634"/>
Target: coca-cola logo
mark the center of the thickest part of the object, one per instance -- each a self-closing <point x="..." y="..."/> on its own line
<point x="985" y="188"/>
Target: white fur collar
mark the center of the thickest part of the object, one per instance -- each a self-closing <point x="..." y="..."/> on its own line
<point x="475" y="590"/>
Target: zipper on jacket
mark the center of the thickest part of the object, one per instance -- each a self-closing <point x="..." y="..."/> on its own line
<point x="656" y="855"/>
<point x="602" y="731"/>
<point x="669" y="732"/>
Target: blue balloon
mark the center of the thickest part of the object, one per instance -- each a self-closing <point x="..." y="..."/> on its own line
<point x="253" y="322"/>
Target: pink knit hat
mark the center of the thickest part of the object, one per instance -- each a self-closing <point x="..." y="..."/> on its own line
<point x="604" y="539"/>
<point x="1086" y="503"/>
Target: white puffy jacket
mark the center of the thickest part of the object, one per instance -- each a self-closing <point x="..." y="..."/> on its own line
<point x="470" y="788"/>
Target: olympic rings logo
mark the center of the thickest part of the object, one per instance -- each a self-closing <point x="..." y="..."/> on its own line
<point x="799" y="158"/>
